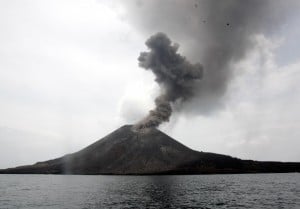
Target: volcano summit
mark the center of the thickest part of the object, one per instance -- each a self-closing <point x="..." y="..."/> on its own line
<point x="127" y="151"/>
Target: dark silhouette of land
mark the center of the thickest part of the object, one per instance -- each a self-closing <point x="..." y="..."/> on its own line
<point x="125" y="151"/>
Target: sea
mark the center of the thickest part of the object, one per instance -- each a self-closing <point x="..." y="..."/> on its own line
<point x="176" y="191"/>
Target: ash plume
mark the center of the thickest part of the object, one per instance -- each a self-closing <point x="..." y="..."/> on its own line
<point x="176" y="76"/>
<point x="215" y="33"/>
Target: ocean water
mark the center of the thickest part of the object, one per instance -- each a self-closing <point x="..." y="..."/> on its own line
<point x="186" y="191"/>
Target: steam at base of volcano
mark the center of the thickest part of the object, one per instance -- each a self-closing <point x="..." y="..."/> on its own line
<point x="175" y="75"/>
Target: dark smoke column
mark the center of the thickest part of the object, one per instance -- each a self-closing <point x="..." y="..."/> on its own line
<point x="176" y="76"/>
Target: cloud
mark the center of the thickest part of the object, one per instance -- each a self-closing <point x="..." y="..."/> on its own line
<point x="215" y="34"/>
<point x="137" y="100"/>
<point x="261" y="118"/>
<point x="57" y="64"/>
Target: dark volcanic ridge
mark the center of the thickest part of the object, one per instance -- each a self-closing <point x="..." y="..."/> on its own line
<point x="126" y="151"/>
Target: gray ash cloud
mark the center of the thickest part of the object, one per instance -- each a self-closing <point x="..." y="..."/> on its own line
<point x="176" y="76"/>
<point x="215" y="33"/>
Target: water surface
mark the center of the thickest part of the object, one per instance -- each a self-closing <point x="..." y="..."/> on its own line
<point x="193" y="191"/>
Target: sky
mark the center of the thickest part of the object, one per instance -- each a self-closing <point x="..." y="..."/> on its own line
<point x="69" y="75"/>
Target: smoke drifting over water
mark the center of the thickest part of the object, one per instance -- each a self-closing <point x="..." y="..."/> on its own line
<point x="215" y="33"/>
<point x="175" y="75"/>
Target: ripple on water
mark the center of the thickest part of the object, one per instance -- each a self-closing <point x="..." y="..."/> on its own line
<point x="194" y="191"/>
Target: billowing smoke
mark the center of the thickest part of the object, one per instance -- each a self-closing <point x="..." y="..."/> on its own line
<point x="176" y="76"/>
<point x="215" y="33"/>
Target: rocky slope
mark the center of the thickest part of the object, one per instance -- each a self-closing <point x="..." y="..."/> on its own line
<point x="125" y="151"/>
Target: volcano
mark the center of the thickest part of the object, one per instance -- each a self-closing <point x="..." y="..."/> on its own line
<point x="126" y="151"/>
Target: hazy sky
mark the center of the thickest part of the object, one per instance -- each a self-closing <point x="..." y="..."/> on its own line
<point x="69" y="75"/>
